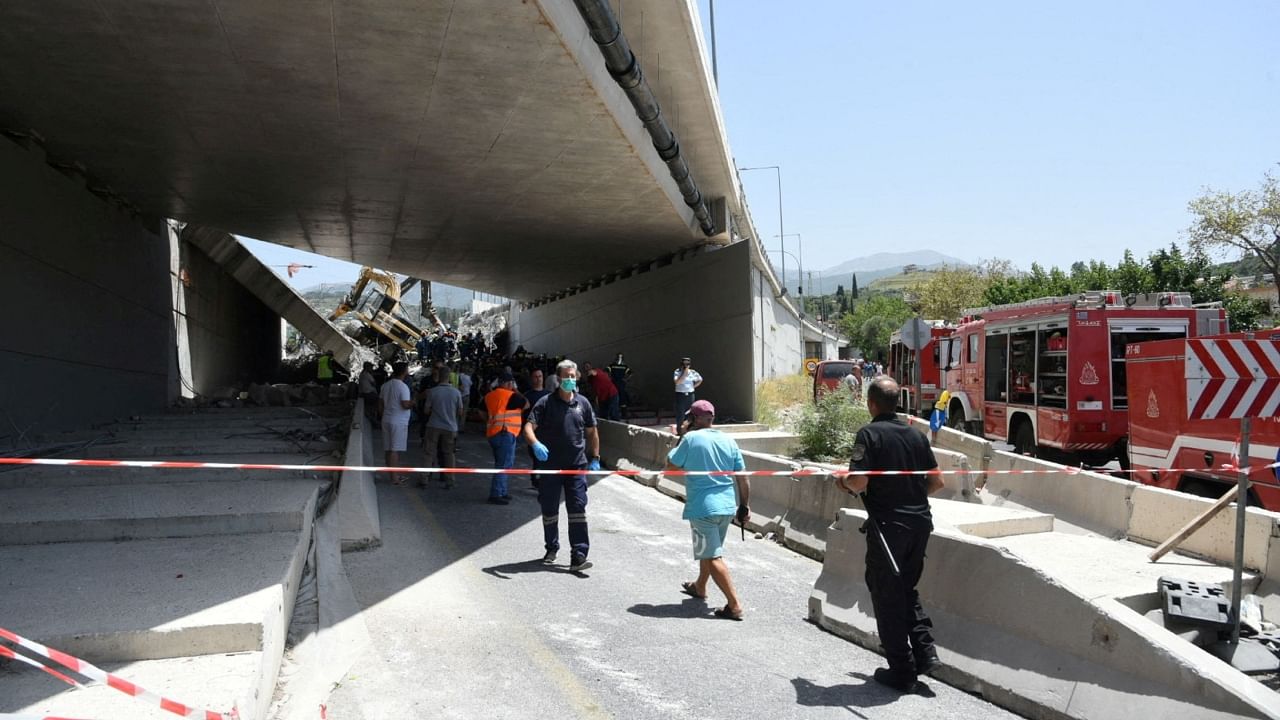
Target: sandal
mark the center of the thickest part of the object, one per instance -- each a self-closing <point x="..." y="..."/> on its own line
<point x="725" y="614"/>
<point x="687" y="589"/>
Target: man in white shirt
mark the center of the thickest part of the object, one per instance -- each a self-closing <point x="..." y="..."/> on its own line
<point x="445" y="414"/>
<point x="686" y="380"/>
<point x="396" y="404"/>
<point x="464" y="384"/>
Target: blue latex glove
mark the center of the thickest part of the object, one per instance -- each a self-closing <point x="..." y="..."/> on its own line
<point x="541" y="452"/>
<point x="594" y="464"/>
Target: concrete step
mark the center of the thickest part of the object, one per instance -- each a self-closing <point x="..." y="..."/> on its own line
<point x="73" y="514"/>
<point x="246" y="447"/>
<point x="203" y="425"/>
<point x="153" y="599"/>
<point x="52" y="476"/>
<point x="209" y="682"/>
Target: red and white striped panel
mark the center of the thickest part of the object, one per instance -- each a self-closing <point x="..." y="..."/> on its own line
<point x="1232" y="379"/>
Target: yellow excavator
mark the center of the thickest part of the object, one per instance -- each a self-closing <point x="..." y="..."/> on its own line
<point x="375" y="301"/>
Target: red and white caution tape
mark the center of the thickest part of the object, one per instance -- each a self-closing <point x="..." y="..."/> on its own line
<point x="11" y="716"/>
<point x="182" y="465"/>
<point x="98" y="675"/>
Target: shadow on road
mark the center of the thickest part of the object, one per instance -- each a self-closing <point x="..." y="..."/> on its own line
<point x="518" y="568"/>
<point x="689" y="608"/>
<point x="866" y="694"/>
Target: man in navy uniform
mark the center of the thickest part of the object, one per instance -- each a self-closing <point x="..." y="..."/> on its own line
<point x="562" y="432"/>
<point x="898" y="528"/>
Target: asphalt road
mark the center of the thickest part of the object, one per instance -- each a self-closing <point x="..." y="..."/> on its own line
<point x="467" y="623"/>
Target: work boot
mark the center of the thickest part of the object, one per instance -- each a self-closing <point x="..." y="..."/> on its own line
<point x="927" y="661"/>
<point x="901" y="681"/>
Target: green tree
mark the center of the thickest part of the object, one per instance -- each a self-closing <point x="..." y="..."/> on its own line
<point x="1165" y="270"/>
<point x="873" y="320"/>
<point x="946" y="293"/>
<point x="1247" y="223"/>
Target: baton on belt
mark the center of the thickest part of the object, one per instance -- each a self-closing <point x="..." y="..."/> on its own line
<point x="883" y="541"/>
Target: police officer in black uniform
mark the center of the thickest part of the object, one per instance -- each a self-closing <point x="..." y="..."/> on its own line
<point x="897" y="530"/>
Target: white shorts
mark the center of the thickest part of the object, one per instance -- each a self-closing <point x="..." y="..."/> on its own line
<point x="395" y="437"/>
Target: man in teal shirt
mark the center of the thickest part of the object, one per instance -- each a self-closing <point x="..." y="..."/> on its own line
<point x="711" y="501"/>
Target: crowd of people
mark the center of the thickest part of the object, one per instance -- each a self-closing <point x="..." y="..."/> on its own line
<point x="542" y="402"/>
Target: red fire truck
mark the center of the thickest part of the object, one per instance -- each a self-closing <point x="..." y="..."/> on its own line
<point x="902" y="368"/>
<point x="1169" y="450"/>
<point x="1048" y="375"/>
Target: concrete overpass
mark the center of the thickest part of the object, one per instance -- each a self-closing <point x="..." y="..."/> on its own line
<point x="506" y="147"/>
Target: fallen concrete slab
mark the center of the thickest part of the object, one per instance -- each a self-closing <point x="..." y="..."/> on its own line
<point x="1039" y="623"/>
<point x="274" y="292"/>
<point x="120" y="512"/>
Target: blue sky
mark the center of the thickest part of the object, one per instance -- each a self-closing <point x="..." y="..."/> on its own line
<point x="1048" y="132"/>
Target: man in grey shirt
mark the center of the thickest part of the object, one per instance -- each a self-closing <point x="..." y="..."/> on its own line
<point x="445" y="415"/>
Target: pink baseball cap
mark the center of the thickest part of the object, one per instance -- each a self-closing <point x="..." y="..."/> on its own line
<point x="702" y="407"/>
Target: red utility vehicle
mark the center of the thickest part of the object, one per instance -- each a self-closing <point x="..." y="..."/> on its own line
<point x="1168" y="449"/>
<point x="1050" y="373"/>
<point x="829" y="375"/>
<point x="902" y="368"/>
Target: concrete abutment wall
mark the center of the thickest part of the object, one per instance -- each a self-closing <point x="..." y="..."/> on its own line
<point x="699" y="307"/>
<point x="89" y="321"/>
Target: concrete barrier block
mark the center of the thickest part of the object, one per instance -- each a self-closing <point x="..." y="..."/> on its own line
<point x="1159" y="513"/>
<point x="643" y="447"/>
<point x="767" y="442"/>
<point x="1017" y="637"/>
<point x="960" y="483"/>
<point x="357" y="497"/>
<point x="987" y="521"/>
<point x="770" y="496"/>
<point x="978" y="450"/>
<point x="1096" y="502"/>
<point x="810" y="511"/>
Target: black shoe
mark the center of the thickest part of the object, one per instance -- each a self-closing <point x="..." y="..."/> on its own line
<point x="549" y="558"/>
<point x="902" y="682"/>
<point x="498" y="501"/>
<point x="579" y="563"/>
<point x="927" y="662"/>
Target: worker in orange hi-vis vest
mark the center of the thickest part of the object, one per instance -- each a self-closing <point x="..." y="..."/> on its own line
<point x="503" y="406"/>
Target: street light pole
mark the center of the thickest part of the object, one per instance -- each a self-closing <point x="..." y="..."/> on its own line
<point x="715" y="68"/>
<point x="781" y="229"/>
<point x="800" y="242"/>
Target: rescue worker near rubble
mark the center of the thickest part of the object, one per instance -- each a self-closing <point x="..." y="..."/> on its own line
<point x="562" y="432"/>
<point x="324" y="368"/>
<point x="899" y="523"/>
